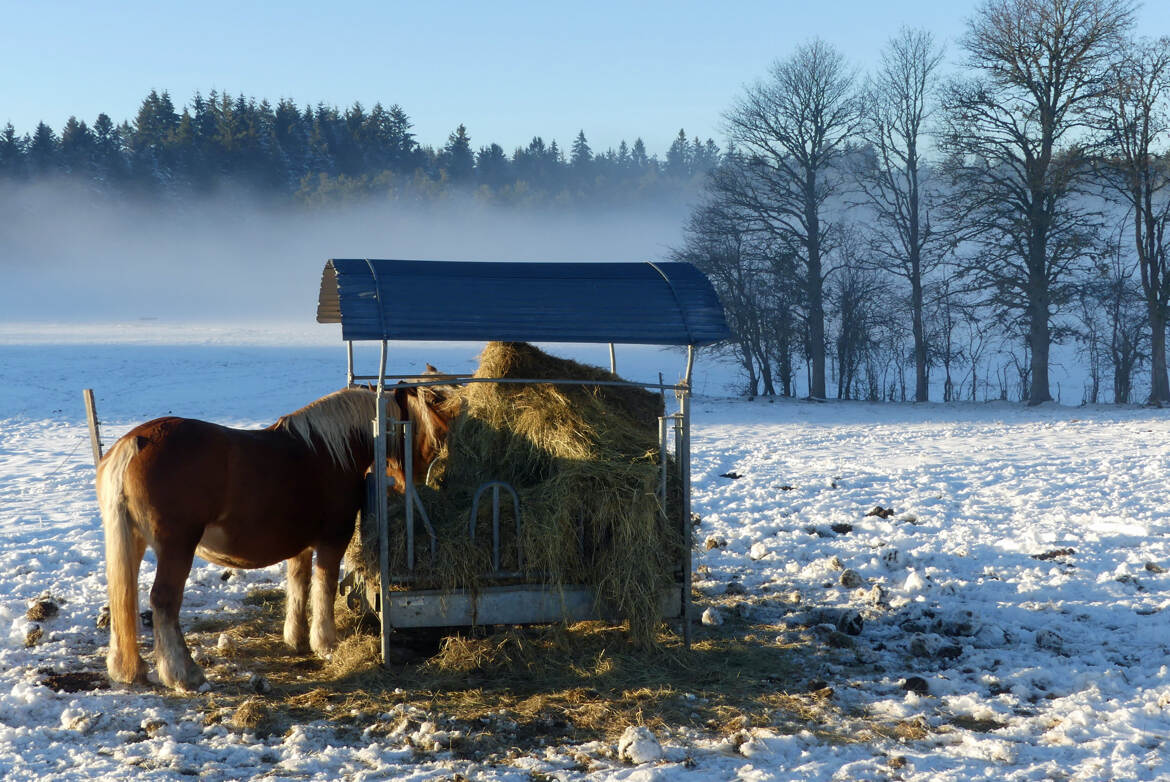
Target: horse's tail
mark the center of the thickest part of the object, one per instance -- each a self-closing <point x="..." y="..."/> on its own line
<point x="124" y="548"/>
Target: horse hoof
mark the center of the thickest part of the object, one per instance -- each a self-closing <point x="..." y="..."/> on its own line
<point x="325" y="650"/>
<point x="191" y="681"/>
<point x="297" y="646"/>
<point x="193" y="684"/>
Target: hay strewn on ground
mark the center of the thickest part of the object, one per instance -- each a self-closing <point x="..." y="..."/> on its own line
<point x="584" y="462"/>
<point x="517" y="688"/>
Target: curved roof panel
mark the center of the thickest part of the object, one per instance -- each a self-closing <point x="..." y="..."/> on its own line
<point x="636" y="303"/>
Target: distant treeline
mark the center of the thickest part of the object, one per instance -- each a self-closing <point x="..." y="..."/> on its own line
<point x="321" y="155"/>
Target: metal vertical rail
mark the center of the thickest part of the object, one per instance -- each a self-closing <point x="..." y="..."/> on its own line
<point x="612" y="360"/>
<point x="684" y="450"/>
<point x="685" y="469"/>
<point x="496" y="486"/>
<point x="663" y="491"/>
<point x="408" y="496"/>
<point x="380" y="515"/>
<point x="349" y="362"/>
<point x="380" y="518"/>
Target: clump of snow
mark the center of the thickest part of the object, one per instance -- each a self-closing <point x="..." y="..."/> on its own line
<point x="637" y="745"/>
<point x="914" y="583"/>
<point x="225" y="644"/>
<point x="712" y="616"/>
<point x="851" y="579"/>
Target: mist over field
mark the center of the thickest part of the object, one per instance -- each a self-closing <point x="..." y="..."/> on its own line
<point x="66" y="257"/>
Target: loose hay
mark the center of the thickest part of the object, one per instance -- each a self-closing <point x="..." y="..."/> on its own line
<point x="251" y="715"/>
<point x="529" y="688"/>
<point x="584" y="462"/>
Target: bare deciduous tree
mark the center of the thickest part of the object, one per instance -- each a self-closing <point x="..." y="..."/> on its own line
<point x="893" y="179"/>
<point x="719" y="244"/>
<point x="1017" y="161"/>
<point x="1136" y="118"/>
<point x="792" y="128"/>
<point x="855" y="293"/>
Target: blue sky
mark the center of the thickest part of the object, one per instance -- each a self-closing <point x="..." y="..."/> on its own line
<point x="508" y="70"/>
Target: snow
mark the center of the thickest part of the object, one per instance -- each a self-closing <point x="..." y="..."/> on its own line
<point x="1021" y="577"/>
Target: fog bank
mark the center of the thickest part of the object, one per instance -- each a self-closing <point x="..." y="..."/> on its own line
<point x="66" y="258"/>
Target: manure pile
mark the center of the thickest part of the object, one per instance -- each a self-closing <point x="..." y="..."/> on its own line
<point x="584" y="462"/>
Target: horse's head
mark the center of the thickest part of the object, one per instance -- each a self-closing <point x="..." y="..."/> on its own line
<point x="429" y="410"/>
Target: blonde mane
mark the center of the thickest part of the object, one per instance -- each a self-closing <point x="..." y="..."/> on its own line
<point x="430" y="425"/>
<point x="332" y="422"/>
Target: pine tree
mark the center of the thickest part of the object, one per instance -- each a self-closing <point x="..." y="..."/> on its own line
<point x="638" y="158"/>
<point x="153" y="127"/>
<point x="491" y="166"/>
<point x="351" y="143"/>
<point x="12" y="154"/>
<point x="678" y="157"/>
<point x="402" y="141"/>
<point x="109" y="158"/>
<point x="323" y="122"/>
<point x="581" y="156"/>
<point x="458" y="159"/>
<point x="77" y="149"/>
<point x="43" y="150"/>
<point x="291" y="133"/>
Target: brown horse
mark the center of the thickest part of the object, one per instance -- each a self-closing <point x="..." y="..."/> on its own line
<point x="243" y="499"/>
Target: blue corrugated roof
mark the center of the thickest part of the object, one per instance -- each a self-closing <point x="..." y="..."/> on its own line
<point x="637" y="303"/>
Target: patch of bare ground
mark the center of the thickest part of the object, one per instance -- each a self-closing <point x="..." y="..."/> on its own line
<point x="499" y="691"/>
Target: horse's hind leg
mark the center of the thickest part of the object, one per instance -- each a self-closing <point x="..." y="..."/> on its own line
<point x="324" y="634"/>
<point x="296" y="628"/>
<point x="175" y="666"/>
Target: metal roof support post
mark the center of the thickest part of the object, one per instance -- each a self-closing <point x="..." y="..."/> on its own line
<point x="663" y="479"/>
<point x="349" y="362"/>
<point x="683" y="451"/>
<point x="380" y="515"/>
<point x="685" y="469"/>
<point x="379" y="480"/>
<point x="612" y="360"/>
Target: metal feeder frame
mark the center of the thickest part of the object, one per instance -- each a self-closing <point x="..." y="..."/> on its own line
<point x="514" y="604"/>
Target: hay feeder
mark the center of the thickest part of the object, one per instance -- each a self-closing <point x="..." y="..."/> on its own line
<point x="669" y="304"/>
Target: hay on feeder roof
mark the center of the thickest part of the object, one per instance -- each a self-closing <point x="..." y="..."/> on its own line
<point x="584" y="462"/>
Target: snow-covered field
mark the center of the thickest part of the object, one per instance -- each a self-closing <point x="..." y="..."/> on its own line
<point x="1014" y="604"/>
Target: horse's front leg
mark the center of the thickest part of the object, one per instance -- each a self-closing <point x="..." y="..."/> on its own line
<point x="296" y="626"/>
<point x="176" y="669"/>
<point x="323" y="637"/>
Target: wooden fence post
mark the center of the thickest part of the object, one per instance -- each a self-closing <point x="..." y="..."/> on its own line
<point x="95" y="438"/>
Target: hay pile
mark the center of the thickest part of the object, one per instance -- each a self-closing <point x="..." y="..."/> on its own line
<point x="584" y="462"/>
